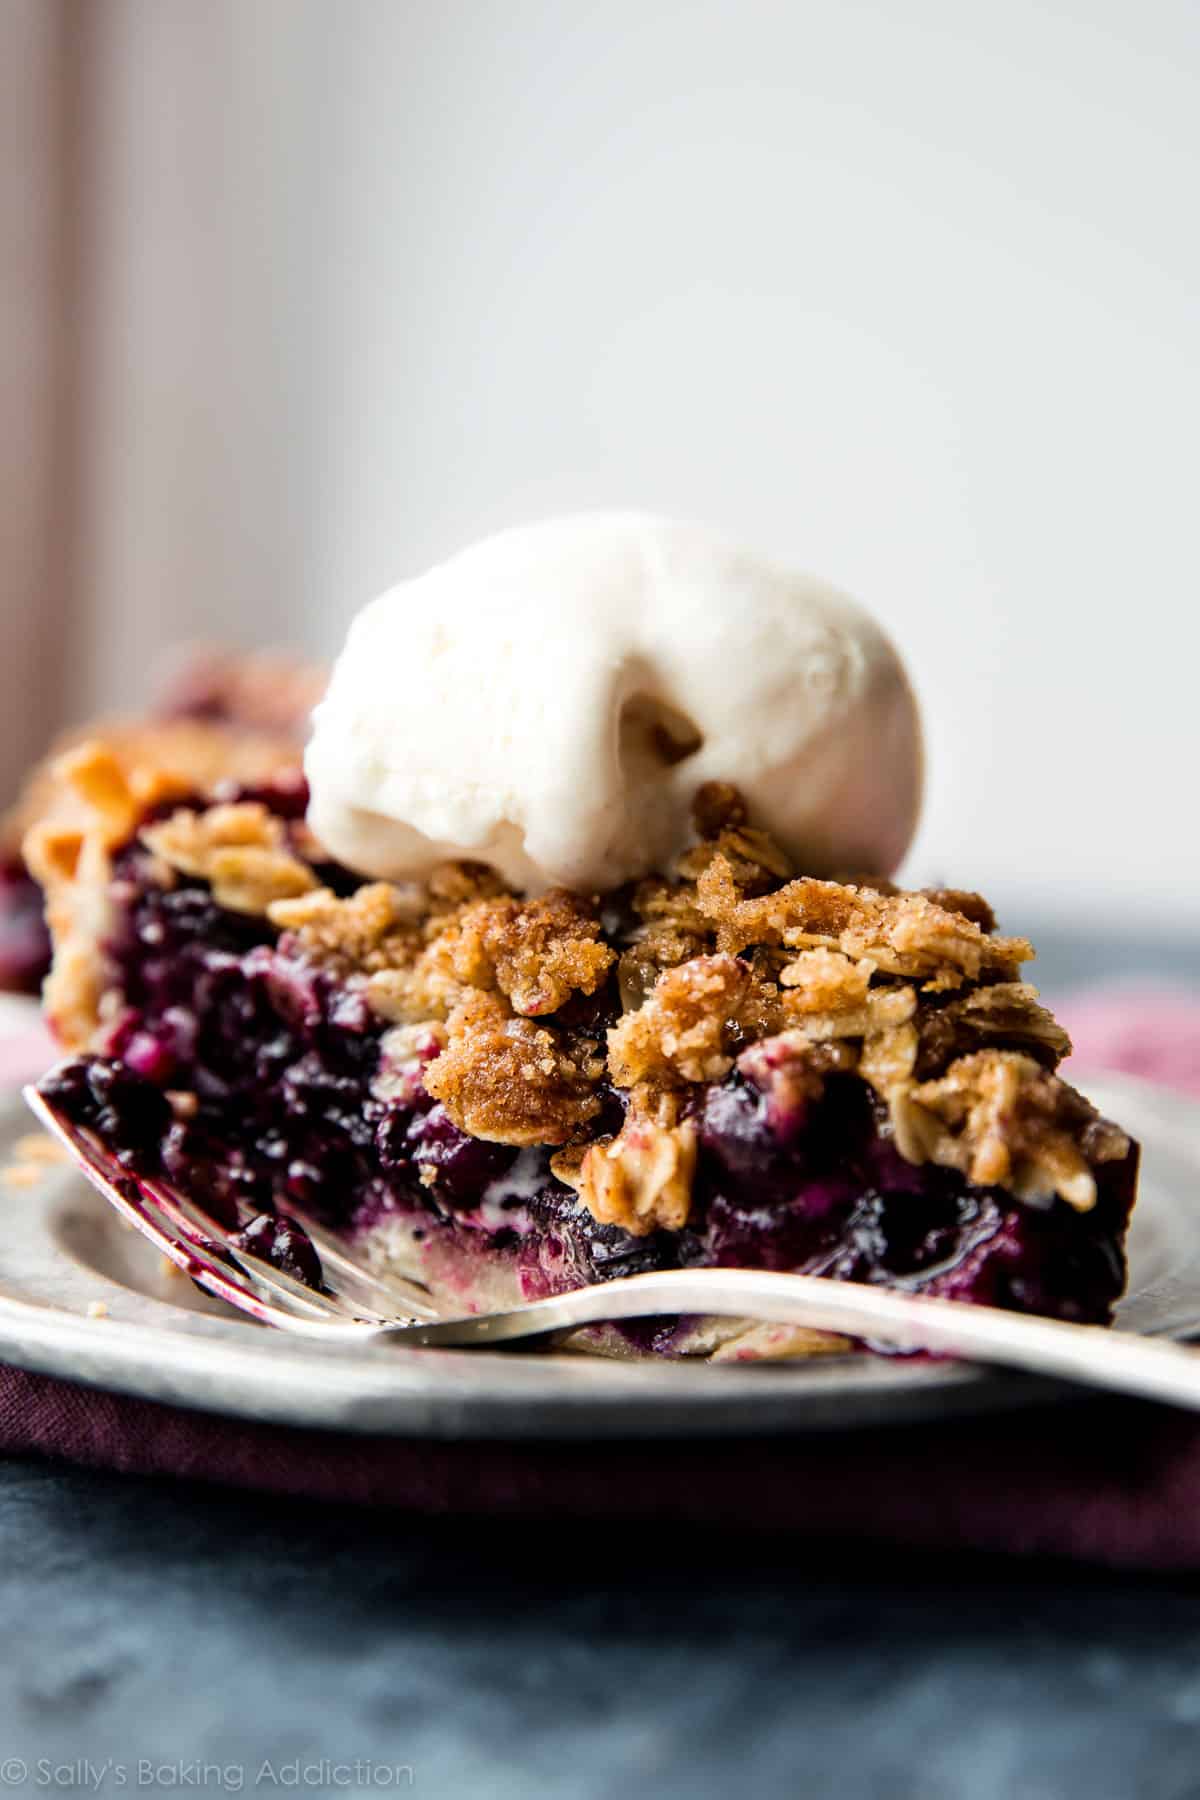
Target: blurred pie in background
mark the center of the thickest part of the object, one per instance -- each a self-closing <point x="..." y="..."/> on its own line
<point x="217" y="715"/>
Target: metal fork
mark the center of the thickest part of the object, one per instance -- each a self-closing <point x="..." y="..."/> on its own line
<point x="359" y="1305"/>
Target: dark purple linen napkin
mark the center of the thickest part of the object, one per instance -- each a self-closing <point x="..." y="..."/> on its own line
<point x="1110" y="1482"/>
<point x="1101" y="1480"/>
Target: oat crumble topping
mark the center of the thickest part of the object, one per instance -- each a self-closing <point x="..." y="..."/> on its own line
<point x="373" y="929"/>
<point x="535" y="952"/>
<point x="1004" y="1121"/>
<point x="729" y="958"/>
<point x="505" y="1079"/>
<point x="642" y="1178"/>
<point x="241" y="850"/>
<point x="693" y="1021"/>
<point x="901" y="934"/>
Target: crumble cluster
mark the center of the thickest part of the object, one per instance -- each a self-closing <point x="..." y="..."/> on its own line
<point x="424" y="950"/>
<point x="241" y="850"/>
<point x="729" y="961"/>
<point x="503" y="1077"/>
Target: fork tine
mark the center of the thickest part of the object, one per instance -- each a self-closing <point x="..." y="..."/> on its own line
<point x="217" y="1266"/>
<point x="368" y="1296"/>
<point x="160" y="1204"/>
<point x="198" y="1244"/>
<point x="184" y="1215"/>
<point x="389" y="1288"/>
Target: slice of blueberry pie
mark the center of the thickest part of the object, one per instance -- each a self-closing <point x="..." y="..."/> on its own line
<point x="720" y="1063"/>
<point x="216" y="713"/>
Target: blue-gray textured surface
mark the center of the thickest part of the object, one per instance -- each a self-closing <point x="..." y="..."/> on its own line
<point x="173" y="1624"/>
<point x="177" y="1626"/>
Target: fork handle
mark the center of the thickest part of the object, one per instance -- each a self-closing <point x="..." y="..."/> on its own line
<point x="1094" y="1355"/>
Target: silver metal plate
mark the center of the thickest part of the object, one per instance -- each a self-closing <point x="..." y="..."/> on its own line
<point x="63" y="1252"/>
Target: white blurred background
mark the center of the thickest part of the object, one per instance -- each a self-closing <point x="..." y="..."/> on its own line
<point x="300" y="295"/>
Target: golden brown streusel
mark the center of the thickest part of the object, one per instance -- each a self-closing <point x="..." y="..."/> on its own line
<point x="249" y="880"/>
<point x="82" y="802"/>
<point x="754" y="860"/>
<point x="1006" y="1014"/>
<point x="883" y="1009"/>
<point x="693" y="1023"/>
<point x="536" y="952"/>
<point x="1004" y="1121"/>
<point x="901" y="934"/>
<point x="240" y="849"/>
<point x="422" y="957"/>
<point x="455" y="884"/>
<point x="376" y="927"/>
<point x="889" y="1049"/>
<point x="961" y="900"/>
<point x="716" y="807"/>
<point x="877" y="1039"/>
<point x="671" y="930"/>
<point x="822" y="981"/>
<point x="187" y="839"/>
<point x="642" y="1178"/>
<point x="505" y="1079"/>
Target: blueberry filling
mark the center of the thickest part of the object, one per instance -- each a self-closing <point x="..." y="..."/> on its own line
<point x="24" y="939"/>
<point x="280" y="1063"/>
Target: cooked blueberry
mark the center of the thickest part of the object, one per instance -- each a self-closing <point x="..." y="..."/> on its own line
<point x="283" y="1244"/>
<point x="218" y="1176"/>
<point x="129" y="1114"/>
<point x="149" y="1055"/>
<point x="734" y="1128"/>
<point x="24" y="939"/>
<point x="67" y="1088"/>
<point x="130" y="1110"/>
<point x="460" y="1167"/>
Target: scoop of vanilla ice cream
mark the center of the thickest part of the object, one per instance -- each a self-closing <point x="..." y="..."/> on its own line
<point x="549" y="701"/>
